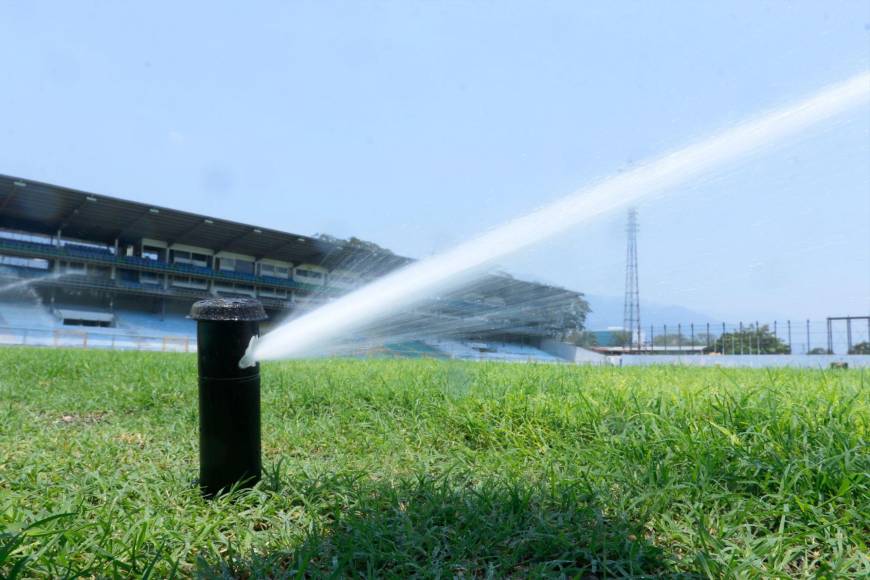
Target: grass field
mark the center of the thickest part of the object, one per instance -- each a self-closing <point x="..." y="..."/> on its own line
<point x="431" y="468"/>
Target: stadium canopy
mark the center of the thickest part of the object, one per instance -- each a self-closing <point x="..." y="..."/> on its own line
<point x="41" y="207"/>
<point x="36" y="207"/>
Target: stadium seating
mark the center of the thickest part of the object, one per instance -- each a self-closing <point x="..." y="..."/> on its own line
<point x="414" y="349"/>
<point x="146" y="324"/>
<point x="106" y="256"/>
<point x="132" y="326"/>
<point x="23" y="314"/>
<point x="87" y="251"/>
<point x="33" y="315"/>
<point x="493" y="351"/>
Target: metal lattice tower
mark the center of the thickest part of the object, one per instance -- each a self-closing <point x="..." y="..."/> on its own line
<point x="631" y="312"/>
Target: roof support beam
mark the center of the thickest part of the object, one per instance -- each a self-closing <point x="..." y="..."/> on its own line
<point x="64" y="221"/>
<point x="279" y="248"/>
<point x="13" y="187"/>
<point x="235" y="239"/>
<point x="8" y="198"/>
<point x="187" y="231"/>
<point x="276" y="249"/>
<point x="130" y="224"/>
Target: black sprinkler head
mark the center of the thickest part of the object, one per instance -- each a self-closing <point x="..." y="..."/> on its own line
<point x="229" y="393"/>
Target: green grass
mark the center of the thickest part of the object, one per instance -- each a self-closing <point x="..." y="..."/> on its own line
<point x="432" y="468"/>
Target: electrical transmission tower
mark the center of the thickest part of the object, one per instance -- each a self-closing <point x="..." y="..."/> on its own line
<point x="631" y="313"/>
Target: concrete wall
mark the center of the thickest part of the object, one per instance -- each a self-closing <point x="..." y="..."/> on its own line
<point x="822" y="361"/>
<point x="192" y="249"/>
<point x="276" y="262"/>
<point x="572" y="353"/>
<point x="578" y="355"/>
<point x="235" y="256"/>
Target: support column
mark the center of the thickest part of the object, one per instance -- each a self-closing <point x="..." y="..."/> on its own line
<point x="114" y="268"/>
<point x="830" y="337"/>
<point x="849" y="334"/>
<point x="57" y="264"/>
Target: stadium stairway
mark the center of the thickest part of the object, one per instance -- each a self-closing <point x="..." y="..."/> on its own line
<point x="414" y="349"/>
<point x="494" y="351"/>
<point x="33" y="315"/>
<point x="27" y="315"/>
<point x="145" y="324"/>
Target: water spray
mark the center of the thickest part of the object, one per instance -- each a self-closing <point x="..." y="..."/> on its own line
<point x="403" y="289"/>
<point x="27" y="283"/>
<point x="229" y="393"/>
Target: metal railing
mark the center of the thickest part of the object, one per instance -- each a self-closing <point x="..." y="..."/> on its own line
<point x="93" y="339"/>
<point x="37" y="250"/>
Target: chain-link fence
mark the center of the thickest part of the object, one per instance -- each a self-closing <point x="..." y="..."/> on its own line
<point x="836" y="335"/>
<point x="839" y="335"/>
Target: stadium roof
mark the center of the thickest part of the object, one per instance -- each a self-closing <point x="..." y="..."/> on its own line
<point x="42" y="207"/>
<point x="35" y="206"/>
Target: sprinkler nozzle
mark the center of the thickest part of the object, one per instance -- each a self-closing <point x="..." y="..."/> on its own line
<point x="248" y="359"/>
<point x="229" y="393"/>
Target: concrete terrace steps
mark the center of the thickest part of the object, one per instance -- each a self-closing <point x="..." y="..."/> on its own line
<point x="415" y="349"/>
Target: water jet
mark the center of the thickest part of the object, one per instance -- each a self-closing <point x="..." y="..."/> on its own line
<point x="229" y="394"/>
<point x="411" y="285"/>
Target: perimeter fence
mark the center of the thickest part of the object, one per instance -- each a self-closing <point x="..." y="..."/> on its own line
<point x="833" y="335"/>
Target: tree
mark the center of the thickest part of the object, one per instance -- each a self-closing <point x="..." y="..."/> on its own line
<point x="701" y="339"/>
<point x="621" y="337"/>
<point x="679" y="339"/>
<point x="562" y="318"/>
<point x="585" y="339"/>
<point x="671" y="339"/>
<point x="861" y="348"/>
<point x="750" y="340"/>
<point x="818" y="350"/>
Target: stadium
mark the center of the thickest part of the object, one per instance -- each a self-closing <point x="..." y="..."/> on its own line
<point x="676" y="386"/>
<point x="85" y="269"/>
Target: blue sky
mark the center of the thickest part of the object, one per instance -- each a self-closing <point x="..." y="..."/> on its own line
<point x="416" y="124"/>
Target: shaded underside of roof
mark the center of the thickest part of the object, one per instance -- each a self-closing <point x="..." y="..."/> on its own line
<point x="73" y="314"/>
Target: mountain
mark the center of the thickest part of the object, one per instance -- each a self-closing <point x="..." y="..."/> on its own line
<point x="608" y="311"/>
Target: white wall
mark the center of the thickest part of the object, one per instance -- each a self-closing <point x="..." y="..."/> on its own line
<point x="235" y="256"/>
<point x="307" y="279"/>
<point x="320" y="269"/>
<point x="822" y="361"/>
<point x="572" y="353"/>
<point x="276" y="262"/>
<point x="193" y="249"/>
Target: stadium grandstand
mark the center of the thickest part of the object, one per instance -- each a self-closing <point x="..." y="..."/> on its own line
<point x="79" y="268"/>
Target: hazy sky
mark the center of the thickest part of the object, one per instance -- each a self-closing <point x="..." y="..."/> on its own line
<point x="416" y="124"/>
